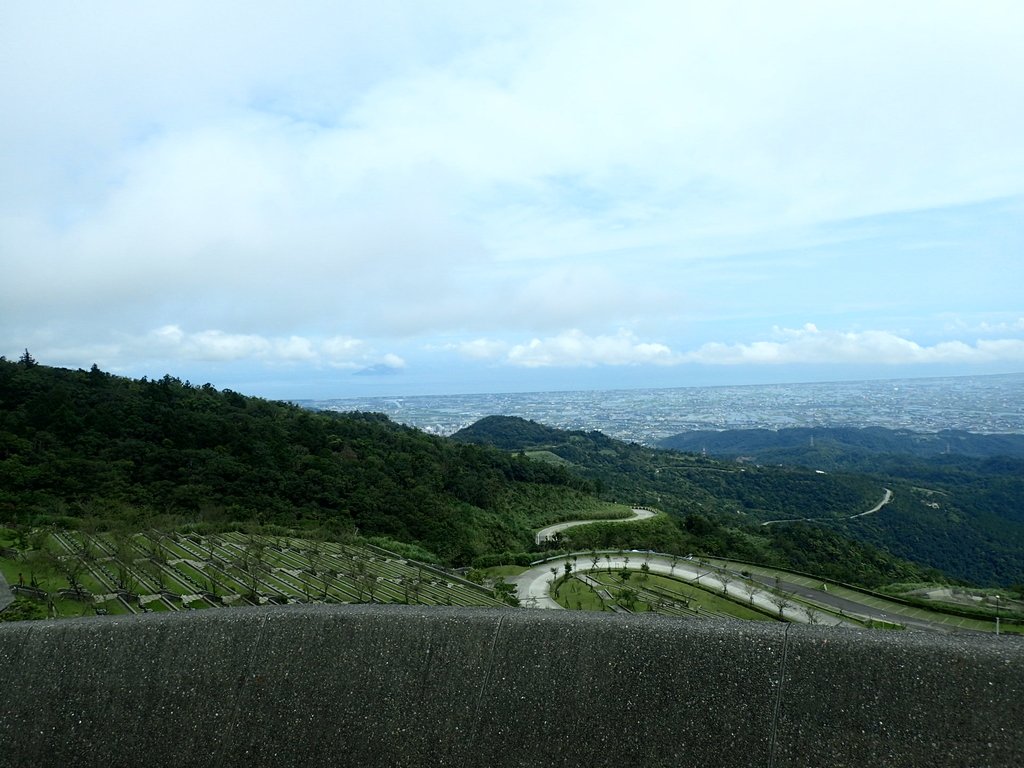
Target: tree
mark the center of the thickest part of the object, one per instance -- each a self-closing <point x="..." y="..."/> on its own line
<point x="750" y="587"/>
<point x="27" y="360"/>
<point x="700" y="572"/>
<point x="156" y="572"/>
<point x="505" y="591"/>
<point x="781" y="601"/>
<point x="124" y="556"/>
<point x="328" y="577"/>
<point x="314" y="555"/>
<point x="71" y="568"/>
<point x="726" y="579"/>
<point x="371" y="584"/>
<point x="251" y="565"/>
<point x="628" y="597"/>
<point x="594" y="558"/>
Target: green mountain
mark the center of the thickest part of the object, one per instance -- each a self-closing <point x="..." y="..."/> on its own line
<point x="94" y="451"/>
<point x="843" y="447"/>
<point x="88" y="446"/>
<point x="959" y="497"/>
<point x="715" y="506"/>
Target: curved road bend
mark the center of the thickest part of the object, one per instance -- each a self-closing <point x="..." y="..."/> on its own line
<point x="546" y="534"/>
<point x="886" y="498"/>
<point x="533" y="585"/>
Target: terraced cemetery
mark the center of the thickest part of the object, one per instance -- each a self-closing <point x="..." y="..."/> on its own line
<point x="75" y="573"/>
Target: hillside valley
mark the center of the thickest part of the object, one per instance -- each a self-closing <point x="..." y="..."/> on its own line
<point x="89" y="451"/>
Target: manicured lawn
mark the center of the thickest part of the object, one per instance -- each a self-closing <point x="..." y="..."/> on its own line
<point x="505" y="570"/>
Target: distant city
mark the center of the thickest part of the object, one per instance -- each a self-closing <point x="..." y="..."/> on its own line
<point x="988" y="404"/>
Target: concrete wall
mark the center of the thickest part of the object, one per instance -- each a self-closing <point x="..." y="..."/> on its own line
<point x="6" y="598"/>
<point x="395" y="686"/>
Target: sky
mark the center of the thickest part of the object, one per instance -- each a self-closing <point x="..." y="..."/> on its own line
<point x="324" y="199"/>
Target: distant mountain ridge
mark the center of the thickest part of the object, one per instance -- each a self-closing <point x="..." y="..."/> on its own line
<point x="821" y="442"/>
<point x="960" y="512"/>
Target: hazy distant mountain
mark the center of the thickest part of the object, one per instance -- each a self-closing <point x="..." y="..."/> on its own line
<point x="828" y="444"/>
<point x="961" y="511"/>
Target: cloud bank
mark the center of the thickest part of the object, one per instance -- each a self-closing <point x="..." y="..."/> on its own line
<point x="803" y="346"/>
<point x="576" y="184"/>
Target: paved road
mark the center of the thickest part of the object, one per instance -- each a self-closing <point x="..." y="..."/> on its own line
<point x="546" y="534"/>
<point x="886" y="498"/>
<point x="534" y="584"/>
<point x="856" y="603"/>
<point x="533" y="589"/>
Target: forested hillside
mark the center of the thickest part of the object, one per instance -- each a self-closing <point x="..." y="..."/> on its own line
<point x="684" y="483"/>
<point x="842" y="447"/>
<point x="88" y="446"/>
<point x="959" y="497"/>
<point x="91" y="450"/>
<point x="715" y="506"/>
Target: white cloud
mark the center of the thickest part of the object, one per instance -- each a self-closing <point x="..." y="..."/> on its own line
<point x="811" y="345"/>
<point x="799" y="346"/>
<point x="1016" y="326"/>
<point x="342" y="351"/>
<point x="171" y="344"/>
<point x="392" y="361"/>
<point x="481" y="349"/>
<point x="575" y="349"/>
<point x="420" y="171"/>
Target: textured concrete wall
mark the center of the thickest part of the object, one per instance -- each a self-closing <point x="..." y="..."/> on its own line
<point x="6" y="598"/>
<point x="393" y="686"/>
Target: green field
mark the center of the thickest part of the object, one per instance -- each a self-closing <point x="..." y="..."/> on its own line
<point x="640" y="592"/>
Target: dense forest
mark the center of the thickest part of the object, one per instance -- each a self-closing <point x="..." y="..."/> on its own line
<point x="88" y="446"/>
<point x="959" y="497"/>
<point x="715" y="506"/>
<point x="843" y="447"/>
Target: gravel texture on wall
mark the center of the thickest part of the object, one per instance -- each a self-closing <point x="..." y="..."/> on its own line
<point x="409" y="686"/>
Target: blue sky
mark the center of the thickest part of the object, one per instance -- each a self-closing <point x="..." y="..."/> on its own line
<point x="320" y="199"/>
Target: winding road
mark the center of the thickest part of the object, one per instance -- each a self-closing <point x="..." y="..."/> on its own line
<point x="820" y="605"/>
<point x="547" y="534"/>
<point x="534" y="584"/>
<point x="886" y="498"/>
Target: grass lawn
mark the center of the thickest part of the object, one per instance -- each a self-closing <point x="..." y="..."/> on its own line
<point x="652" y="590"/>
<point x="577" y="596"/>
<point x="548" y="456"/>
<point x="505" y="570"/>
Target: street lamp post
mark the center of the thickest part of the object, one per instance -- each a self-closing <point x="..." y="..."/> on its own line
<point x="997" y="615"/>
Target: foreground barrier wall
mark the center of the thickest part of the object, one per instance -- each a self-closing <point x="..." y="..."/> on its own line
<point x="400" y="686"/>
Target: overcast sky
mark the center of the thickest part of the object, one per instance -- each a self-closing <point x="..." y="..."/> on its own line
<point x="317" y="199"/>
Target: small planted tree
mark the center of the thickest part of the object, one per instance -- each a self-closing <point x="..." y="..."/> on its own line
<point x="726" y="579"/>
<point x="781" y="601"/>
<point x="750" y="587"/>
